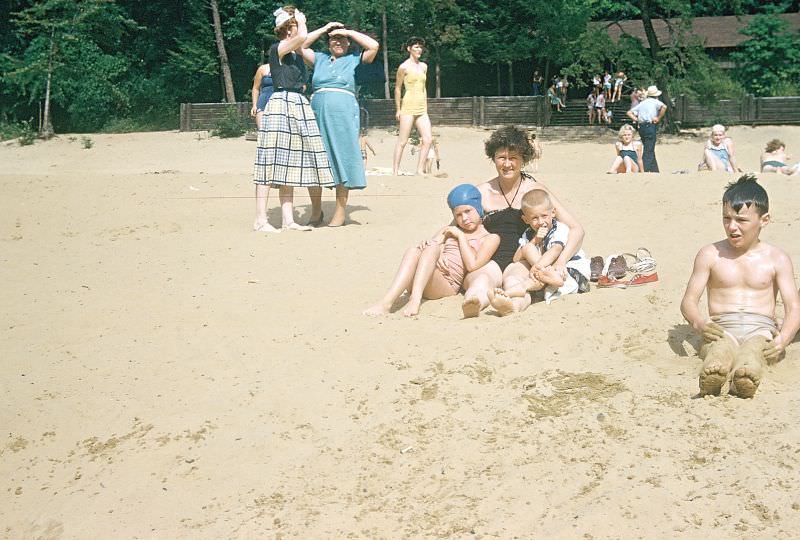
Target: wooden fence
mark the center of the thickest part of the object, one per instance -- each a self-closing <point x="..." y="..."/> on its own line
<point x="527" y="111"/>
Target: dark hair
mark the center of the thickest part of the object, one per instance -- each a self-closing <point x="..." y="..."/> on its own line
<point x="338" y="27"/>
<point x="774" y="144"/>
<point x="410" y="42"/>
<point x="746" y="191"/>
<point x="510" y="138"/>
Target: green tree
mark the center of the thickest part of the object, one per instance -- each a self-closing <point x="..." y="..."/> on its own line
<point x="769" y="61"/>
<point x="70" y="58"/>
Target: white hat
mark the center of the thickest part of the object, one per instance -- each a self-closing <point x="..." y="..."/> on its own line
<point x="653" y="91"/>
<point x="281" y="16"/>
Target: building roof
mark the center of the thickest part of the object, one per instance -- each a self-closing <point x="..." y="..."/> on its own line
<point x="715" y="32"/>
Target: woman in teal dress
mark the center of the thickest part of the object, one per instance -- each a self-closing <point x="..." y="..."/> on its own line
<point x="336" y="108"/>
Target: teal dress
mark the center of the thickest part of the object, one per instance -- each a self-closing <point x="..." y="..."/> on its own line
<point x="335" y="106"/>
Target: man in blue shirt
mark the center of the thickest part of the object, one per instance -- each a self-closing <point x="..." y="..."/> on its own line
<point x="648" y="114"/>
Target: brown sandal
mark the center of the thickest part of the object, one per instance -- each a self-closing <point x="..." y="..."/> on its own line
<point x="617" y="268"/>
<point x="596" y="267"/>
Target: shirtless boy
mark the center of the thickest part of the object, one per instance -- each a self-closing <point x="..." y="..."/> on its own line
<point x="743" y="276"/>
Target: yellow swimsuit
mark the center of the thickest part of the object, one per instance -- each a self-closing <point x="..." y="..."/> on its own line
<point x="415" y="98"/>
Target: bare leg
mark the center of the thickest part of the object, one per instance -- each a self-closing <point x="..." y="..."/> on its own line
<point x="315" y="194"/>
<point x="286" y="195"/>
<point x="712" y="162"/>
<point x="406" y="121"/>
<point x="748" y="367"/>
<point x="342" y="193"/>
<point x="514" y="273"/>
<point x="401" y="282"/>
<point x="262" y="196"/>
<point x="718" y="359"/>
<point x="428" y="281"/>
<point x="629" y="165"/>
<point x="477" y="285"/>
<point x="615" y="166"/>
<point x="423" y="123"/>
<point x="259" y="115"/>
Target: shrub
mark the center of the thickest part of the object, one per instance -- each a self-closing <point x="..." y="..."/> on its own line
<point x="232" y="124"/>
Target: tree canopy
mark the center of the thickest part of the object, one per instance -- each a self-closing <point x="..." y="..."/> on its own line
<point x="127" y="64"/>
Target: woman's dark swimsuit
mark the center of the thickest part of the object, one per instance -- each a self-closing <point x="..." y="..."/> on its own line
<point x="508" y="225"/>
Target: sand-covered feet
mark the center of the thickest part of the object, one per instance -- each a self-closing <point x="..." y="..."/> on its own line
<point x="471" y="307"/>
<point x="713" y="376"/>
<point x="501" y="302"/>
<point x="749" y="368"/>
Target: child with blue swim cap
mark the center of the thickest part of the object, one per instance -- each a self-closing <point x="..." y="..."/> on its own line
<point x="436" y="268"/>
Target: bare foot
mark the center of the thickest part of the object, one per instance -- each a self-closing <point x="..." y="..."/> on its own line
<point x="471" y="307"/>
<point x="265" y="227"/>
<point x="745" y="381"/>
<point x="412" y="308"/>
<point x="297" y="227"/>
<point x="501" y="302"/>
<point x="713" y="377"/>
<point x="377" y="310"/>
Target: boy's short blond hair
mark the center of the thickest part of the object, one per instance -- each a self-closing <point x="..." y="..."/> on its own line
<point x="534" y="198"/>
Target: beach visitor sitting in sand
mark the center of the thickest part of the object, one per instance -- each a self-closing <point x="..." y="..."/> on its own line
<point x="629" y="153"/>
<point x="539" y="247"/>
<point x="774" y="159"/>
<point x="718" y="152"/>
<point x="440" y="266"/>
<point x="743" y="276"/>
<point x="510" y="149"/>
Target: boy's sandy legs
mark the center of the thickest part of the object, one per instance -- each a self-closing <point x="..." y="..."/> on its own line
<point x="748" y="367"/>
<point x="733" y="368"/>
<point x="717" y="362"/>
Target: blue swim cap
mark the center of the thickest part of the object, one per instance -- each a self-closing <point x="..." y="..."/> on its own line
<point x="465" y="194"/>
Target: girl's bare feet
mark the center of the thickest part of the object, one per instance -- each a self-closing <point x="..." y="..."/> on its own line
<point x="471" y="307"/>
<point x="500" y="301"/>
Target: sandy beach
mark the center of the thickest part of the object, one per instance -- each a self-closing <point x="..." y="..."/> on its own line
<point x="168" y="373"/>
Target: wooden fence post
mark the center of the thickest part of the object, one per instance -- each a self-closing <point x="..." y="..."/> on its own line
<point x="482" y="120"/>
<point x="183" y="116"/>
<point x="474" y="111"/>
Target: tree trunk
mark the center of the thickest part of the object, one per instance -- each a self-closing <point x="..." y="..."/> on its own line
<point x="438" y="79"/>
<point x="385" y="54"/>
<point x="667" y="123"/>
<point x="510" y="78"/>
<point x="223" y="56"/>
<point x="47" y="131"/>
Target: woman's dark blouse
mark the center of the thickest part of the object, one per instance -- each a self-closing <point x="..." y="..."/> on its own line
<point x="289" y="74"/>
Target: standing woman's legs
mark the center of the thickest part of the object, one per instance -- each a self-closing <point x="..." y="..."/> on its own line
<point x="315" y="194"/>
<point x="423" y="123"/>
<point x="406" y="121"/>
<point x="262" y="196"/>
<point x="340" y="214"/>
<point x="286" y="195"/>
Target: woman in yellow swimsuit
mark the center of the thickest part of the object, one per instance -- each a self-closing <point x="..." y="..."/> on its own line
<point x="412" y="109"/>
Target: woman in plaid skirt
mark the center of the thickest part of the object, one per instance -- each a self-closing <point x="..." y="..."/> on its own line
<point x="290" y="151"/>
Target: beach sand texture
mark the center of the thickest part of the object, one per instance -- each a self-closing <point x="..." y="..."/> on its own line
<point x="167" y="373"/>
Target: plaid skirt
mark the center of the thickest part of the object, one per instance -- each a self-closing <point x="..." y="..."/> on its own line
<point x="289" y="149"/>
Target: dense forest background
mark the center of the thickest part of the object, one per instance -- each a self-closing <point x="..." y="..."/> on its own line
<point x="123" y="65"/>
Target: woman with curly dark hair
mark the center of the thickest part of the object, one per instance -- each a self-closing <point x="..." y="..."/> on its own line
<point x="510" y="149"/>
